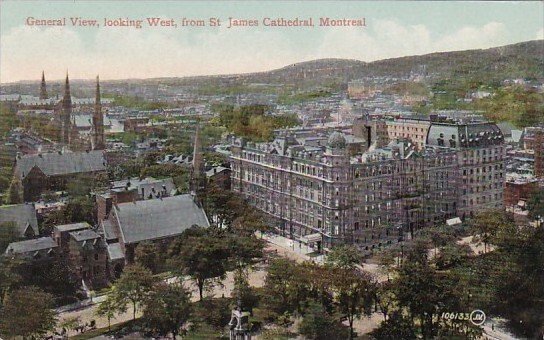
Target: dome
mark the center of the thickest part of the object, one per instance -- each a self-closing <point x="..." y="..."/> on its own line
<point x="337" y="140"/>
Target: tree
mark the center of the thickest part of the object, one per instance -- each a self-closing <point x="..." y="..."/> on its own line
<point x="134" y="285"/>
<point x="243" y="292"/>
<point x="8" y="234"/>
<point x="244" y="250"/>
<point x="202" y="255"/>
<point x="27" y="312"/>
<point x="451" y="255"/>
<point x="396" y="327"/>
<point x="285" y="288"/>
<point x="417" y="288"/>
<point x="223" y="206"/>
<point x="167" y="308"/>
<point x="8" y="276"/>
<point x="215" y="312"/>
<point x="386" y="299"/>
<point x="344" y="256"/>
<point x="249" y="222"/>
<point x="55" y="277"/>
<point x="488" y="223"/>
<point x="147" y="255"/>
<point x="318" y="324"/>
<point x="15" y="191"/>
<point x="535" y="204"/>
<point x="354" y="294"/>
<point x="109" y="307"/>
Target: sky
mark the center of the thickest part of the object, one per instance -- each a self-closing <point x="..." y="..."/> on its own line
<point x="393" y="29"/>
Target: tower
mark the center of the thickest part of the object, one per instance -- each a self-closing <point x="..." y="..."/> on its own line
<point x="98" y="121"/>
<point x="43" y="88"/>
<point x="197" y="174"/>
<point x="66" y="113"/>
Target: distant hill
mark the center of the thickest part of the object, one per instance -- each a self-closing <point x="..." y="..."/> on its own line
<point x="522" y="60"/>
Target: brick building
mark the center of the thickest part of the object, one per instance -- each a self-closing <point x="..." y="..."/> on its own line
<point x="518" y="189"/>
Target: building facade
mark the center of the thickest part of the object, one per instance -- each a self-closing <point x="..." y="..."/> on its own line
<point x="370" y="198"/>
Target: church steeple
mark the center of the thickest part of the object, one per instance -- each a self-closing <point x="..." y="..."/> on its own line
<point x="66" y="113"/>
<point x="198" y="178"/>
<point x="98" y="121"/>
<point x="43" y="88"/>
<point x="67" y="96"/>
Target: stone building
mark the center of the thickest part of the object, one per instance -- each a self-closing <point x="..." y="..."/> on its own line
<point x="518" y="189"/>
<point x="480" y="161"/>
<point x="156" y="220"/>
<point x="411" y="128"/>
<point x="41" y="249"/>
<point x="52" y="171"/>
<point x="323" y="193"/>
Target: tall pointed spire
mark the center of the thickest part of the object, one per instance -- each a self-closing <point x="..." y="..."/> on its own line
<point x="66" y="113"/>
<point x="98" y="121"/>
<point x="67" y="95"/>
<point x="197" y="176"/>
<point x="197" y="156"/>
<point x="43" y="88"/>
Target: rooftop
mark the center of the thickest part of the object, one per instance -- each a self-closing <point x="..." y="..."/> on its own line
<point x="84" y="235"/>
<point x="31" y="245"/>
<point x="158" y="218"/>
<point x="73" y="226"/>
<point x="62" y="163"/>
<point x="23" y="215"/>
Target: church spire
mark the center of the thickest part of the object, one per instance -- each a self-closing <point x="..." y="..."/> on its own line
<point x="197" y="175"/>
<point x="67" y="95"/>
<point x="198" y="165"/>
<point x="98" y="121"/>
<point x="43" y="88"/>
<point x="66" y="113"/>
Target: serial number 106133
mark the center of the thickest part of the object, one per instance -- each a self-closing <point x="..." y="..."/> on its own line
<point x="455" y="316"/>
<point x="476" y="317"/>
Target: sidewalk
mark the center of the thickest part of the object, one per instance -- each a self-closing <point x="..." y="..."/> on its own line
<point x="297" y="247"/>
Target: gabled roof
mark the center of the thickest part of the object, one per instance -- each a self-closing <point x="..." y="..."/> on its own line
<point x="158" y="218"/>
<point x="33" y="245"/>
<point x="23" y="215"/>
<point x="53" y="164"/>
<point x="73" y="226"/>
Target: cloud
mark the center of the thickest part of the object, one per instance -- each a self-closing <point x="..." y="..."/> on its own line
<point x="139" y="53"/>
<point x="540" y="34"/>
<point x="389" y="39"/>
<point x="118" y="53"/>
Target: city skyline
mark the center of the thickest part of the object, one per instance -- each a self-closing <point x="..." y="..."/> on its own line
<point x="392" y="30"/>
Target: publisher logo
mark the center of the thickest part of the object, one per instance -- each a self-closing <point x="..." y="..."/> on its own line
<point x="477" y="317"/>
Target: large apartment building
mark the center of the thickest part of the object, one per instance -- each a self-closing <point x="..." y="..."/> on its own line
<point x="374" y="196"/>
